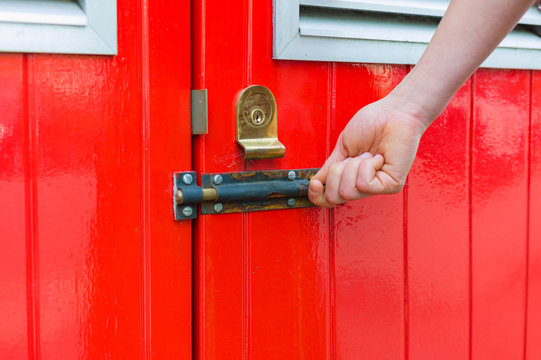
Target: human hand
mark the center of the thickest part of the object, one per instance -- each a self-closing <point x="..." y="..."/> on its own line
<point x="376" y="149"/>
<point x="373" y="153"/>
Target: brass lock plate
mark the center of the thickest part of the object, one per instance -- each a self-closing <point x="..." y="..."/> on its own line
<point x="257" y="124"/>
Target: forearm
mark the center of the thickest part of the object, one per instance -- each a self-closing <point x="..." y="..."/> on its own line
<point x="467" y="34"/>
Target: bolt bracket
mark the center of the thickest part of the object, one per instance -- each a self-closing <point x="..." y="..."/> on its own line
<point x="180" y="185"/>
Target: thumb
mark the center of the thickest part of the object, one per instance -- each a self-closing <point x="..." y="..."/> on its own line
<point x="316" y="192"/>
<point x="338" y="154"/>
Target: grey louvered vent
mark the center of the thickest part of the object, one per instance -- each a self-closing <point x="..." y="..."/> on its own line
<point x="384" y="31"/>
<point x="58" y="26"/>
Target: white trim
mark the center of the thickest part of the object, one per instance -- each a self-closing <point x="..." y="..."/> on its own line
<point x="334" y="35"/>
<point x="386" y="52"/>
<point x="287" y="13"/>
<point x="58" y="26"/>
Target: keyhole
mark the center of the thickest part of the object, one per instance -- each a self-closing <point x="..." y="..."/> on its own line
<point x="258" y="117"/>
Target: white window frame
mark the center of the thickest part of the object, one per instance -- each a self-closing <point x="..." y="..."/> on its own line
<point x="342" y="37"/>
<point x="58" y="26"/>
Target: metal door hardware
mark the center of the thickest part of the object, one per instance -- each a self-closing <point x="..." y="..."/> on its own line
<point x="257" y="124"/>
<point x="240" y="192"/>
<point x="199" y="112"/>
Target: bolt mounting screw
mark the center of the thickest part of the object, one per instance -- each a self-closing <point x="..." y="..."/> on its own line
<point x="291" y="175"/>
<point x="187" y="211"/>
<point x="187" y="179"/>
<point x="217" y="179"/>
<point x="218" y="207"/>
<point x="291" y="202"/>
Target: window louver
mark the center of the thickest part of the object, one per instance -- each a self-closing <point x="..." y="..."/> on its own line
<point x="385" y="31"/>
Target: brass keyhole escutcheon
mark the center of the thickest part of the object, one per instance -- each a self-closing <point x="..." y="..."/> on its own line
<point x="258" y="117"/>
<point x="257" y="109"/>
<point x="257" y="124"/>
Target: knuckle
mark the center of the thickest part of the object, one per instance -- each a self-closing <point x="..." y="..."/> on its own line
<point x="361" y="184"/>
<point x="335" y="169"/>
<point x="332" y="200"/>
<point x="347" y="194"/>
<point x="397" y="187"/>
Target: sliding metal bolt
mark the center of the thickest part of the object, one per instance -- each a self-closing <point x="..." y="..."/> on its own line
<point x="291" y="175"/>
<point x="179" y="197"/>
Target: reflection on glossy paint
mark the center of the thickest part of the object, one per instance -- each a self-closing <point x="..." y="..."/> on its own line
<point x="499" y="210"/>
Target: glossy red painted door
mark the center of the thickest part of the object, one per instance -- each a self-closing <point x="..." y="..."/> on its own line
<point x="447" y="269"/>
<point x="91" y="264"/>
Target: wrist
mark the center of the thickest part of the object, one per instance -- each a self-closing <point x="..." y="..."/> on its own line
<point x="400" y="101"/>
<point x="425" y="97"/>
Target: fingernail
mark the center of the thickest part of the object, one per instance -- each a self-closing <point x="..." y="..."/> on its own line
<point x="366" y="155"/>
<point x="346" y="160"/>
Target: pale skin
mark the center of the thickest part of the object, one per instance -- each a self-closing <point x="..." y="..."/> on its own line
<point x="376" y="149"/>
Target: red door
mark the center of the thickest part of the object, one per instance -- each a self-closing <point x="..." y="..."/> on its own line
<point x="92" y="265"/>
<point x="448" y="269"/>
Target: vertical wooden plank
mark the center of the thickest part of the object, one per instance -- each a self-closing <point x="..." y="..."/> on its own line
<point x="533" y="318"/>
<point x="258" y="297"/>
<point x="145" y="297"/>
<point x="31" y="213"/>
<point x="289" y="286"/>
<point x="89" y="260"/>
<point x="15" y="337"/>
<point x="170" y="262"/>
<point x="370" y="288"/>
<point x="499" y="212"/>
<point x="438" y="237"/>
<point x="289" y="250"/>
<point x="219" y="240"/>
<point x="89" y="116"/>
